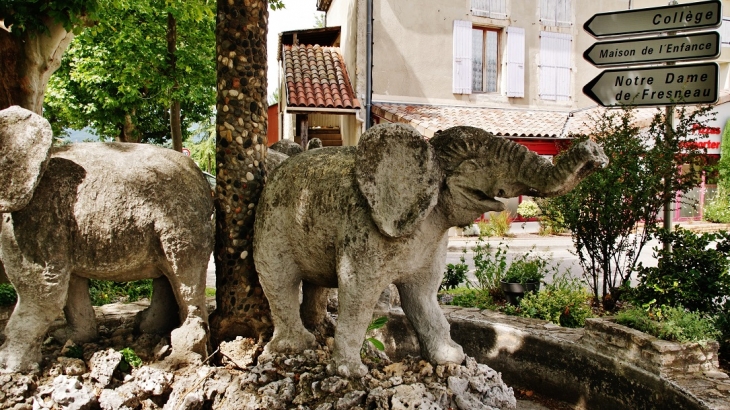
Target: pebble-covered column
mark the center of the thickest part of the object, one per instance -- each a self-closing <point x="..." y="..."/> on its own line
<point x="241" y="26"/>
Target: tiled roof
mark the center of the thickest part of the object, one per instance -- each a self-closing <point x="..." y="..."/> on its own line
<point x="316" y="77"/>
<point x="428" y="119"/>
<point x="508" y="122"/>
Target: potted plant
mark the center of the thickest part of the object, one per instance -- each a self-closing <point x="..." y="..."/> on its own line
<point x="523" y="275"/>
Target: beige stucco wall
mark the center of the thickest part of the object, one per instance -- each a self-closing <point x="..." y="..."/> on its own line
<point x="413" y="49"/>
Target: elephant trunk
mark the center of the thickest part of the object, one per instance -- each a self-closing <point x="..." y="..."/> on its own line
<point x="545" y="179"/>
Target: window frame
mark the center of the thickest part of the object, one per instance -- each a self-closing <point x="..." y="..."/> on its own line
<point x="498" y="63"/>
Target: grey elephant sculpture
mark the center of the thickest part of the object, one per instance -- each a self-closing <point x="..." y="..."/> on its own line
<point x="109" y="211"/>
<point x="360" y="218"/>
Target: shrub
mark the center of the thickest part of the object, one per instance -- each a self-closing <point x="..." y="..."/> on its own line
<point x="722" y="324"/>
<point x="497" y="225"/>
<point x="466" y="297"/>
<point x="564" y="302"/>
<point x="104" y="292"/>
<point x="455" y="274"/>
<point x="670" y="323"/>
<point x="489" y="268"/>
<point x="718" y="209"/>
<point x="693" y="274"/>
<point x="528" y="209"/>
<point x="8" y="297"/>
<point x="551" y="220"/>
<point x="130" y="359"/>
<point x="526" y="268"/>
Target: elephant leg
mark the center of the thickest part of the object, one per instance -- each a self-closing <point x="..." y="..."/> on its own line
<point x="162" y="314"/>
<point x="290" y="335"/>
<point x="357" y="301"/>
<point x="420" y="304"/>
<point x="80" y="315"/>
<point x="186" y="278"/>
<point x="42" y="294"/>
<point x="314" y="309"/>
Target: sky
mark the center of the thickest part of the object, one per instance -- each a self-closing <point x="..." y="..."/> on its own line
<point x="297" y="15"/>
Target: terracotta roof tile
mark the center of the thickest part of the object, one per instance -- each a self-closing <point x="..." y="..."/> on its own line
<point x="316" y="77"/>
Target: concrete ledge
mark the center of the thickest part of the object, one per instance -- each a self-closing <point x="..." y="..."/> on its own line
<point x="564" y="364"/>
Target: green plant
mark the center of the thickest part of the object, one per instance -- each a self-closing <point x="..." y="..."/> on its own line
<point x="209" y="292"/>
<point x="564" y="302"/>
<point x="722" y="324"/>
<point x="526" y="268"/>
<point x="75" y="351"/>
<point x="718" y="209"/>
<point x="551" y="219"/>
<point x="8" y="297"/>
<point x="498" y="224"/>
<point x="612" y="212"/>
<point x="374" y="325"/>
<point x="489" y="268"/>
<point x="528" y="209"/>
<point x="468" y="297"/>
<point x="455" y="274"/>
<point x="129" y="359"/>
<point x="670" y="323"/>
<point x="693" y="273"/>
<point x="103" y="292"/>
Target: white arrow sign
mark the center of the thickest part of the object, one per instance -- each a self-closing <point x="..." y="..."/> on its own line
<point x="691" y="16"/>
<point x="704" y="46"/>
<point x="685" y="84"/>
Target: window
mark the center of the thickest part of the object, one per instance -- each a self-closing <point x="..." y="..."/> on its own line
<point x="555" y="62"/>
<point x="496" y="9"/>
<point x="477" y="62"/>
<point x="484" y="65"/>
<point x="556" y="12"/>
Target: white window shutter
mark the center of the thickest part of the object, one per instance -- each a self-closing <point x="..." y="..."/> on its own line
<point x="547" y="12"/>
<point x="555" y="66"/>
<point x="462" y="57"/>
<point x="564" y="13"/>
<point x="515" y="62"/>
<point x="725" y="32"/>
<point x="496" y="9"/>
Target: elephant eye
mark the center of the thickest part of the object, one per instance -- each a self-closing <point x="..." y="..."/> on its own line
<point x="500" y="193"/>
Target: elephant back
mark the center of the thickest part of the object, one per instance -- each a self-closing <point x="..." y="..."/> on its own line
<point x="397" y="172"/>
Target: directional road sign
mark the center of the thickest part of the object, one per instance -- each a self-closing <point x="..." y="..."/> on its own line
<point x="679" y="84"/>
<point x="704" y="46"/>
<point x="690" y="16"/>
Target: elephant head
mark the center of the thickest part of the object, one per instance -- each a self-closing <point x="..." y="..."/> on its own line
<point x="24" y="143"/>
<point x="459" y="173"/>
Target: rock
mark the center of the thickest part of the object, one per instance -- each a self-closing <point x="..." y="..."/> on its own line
<point x="103" y="364"/>
<point x="71" y="366"/>
<point x="350" y="400"/>
<point x="714" y="374"/>
<point x="124" y="397"/>
<point x="412" y="397"/>
<point x="241" y="352"/>
<point x="153" y="381"/>
<point x="71" y="394"/>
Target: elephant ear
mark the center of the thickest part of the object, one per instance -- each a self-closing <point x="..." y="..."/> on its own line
<point x="397" y="172"/>
<point x="25" y="138"/>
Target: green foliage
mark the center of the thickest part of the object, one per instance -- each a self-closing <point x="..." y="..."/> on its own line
<point x="723" y="166"/>
<point x="8" y="297"/>
<point x="490" y="267"/>
<point x="551" y="220"/>
<point x="116" y="77"/>
<point x="209" y="292"/>
<point x="526" y="268"/>
<point x="75" y="351"/>
<point x="498" y="224"/>
<point x="29" y="17"/>
<point x="722" y="324"/>
<point x="528" y="209"/>
<point x="104" y="292"/>
<point x="670" y="323"/>
<point x="693" y="274"/>
<point x="129" y="359"/>
<point x="467" y="297"/>
<point x="718" y="209"/>
<point x="203" y="151"/>
<point x="603" y="212"/>
<point x="564" y="302"/>
<point x="455" y="274"/>
<point x="374" y="325"/>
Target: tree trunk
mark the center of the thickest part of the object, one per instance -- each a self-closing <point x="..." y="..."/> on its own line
<point x="242" y="308"/>
<point x="175" y="128"/>
<point x="27" y="63"/>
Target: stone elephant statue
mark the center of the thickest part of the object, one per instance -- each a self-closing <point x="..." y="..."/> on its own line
<point x="360" y="218"/>
<point x="111" y="211"/>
